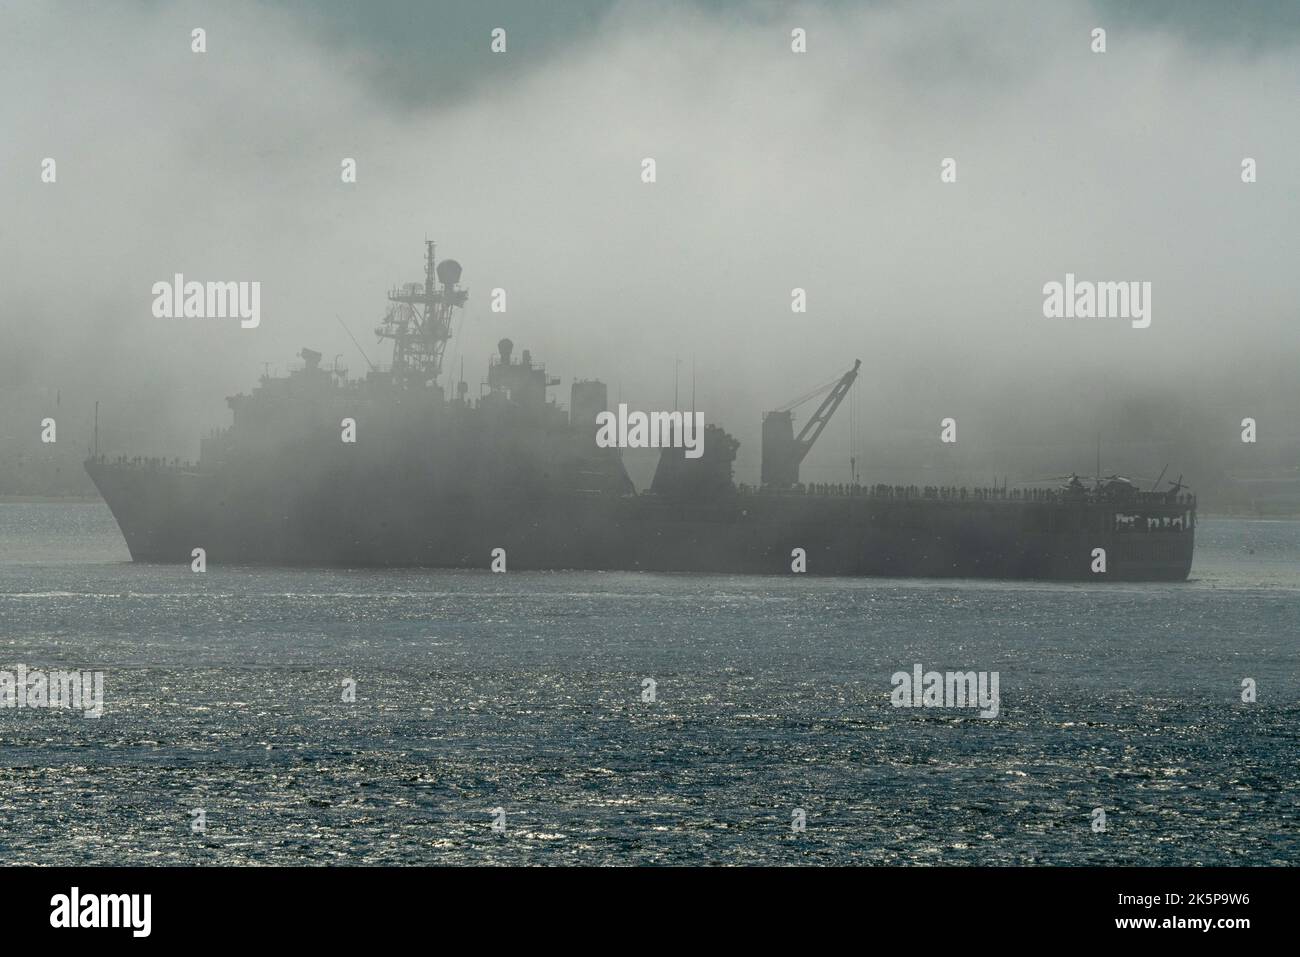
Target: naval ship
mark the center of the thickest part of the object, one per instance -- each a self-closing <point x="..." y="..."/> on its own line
<point x="440" y="478"/>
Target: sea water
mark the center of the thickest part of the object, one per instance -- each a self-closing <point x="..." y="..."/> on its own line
<point x="505" y="718"/>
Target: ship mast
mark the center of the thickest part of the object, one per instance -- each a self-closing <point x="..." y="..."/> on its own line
<point x="419" y="321"/>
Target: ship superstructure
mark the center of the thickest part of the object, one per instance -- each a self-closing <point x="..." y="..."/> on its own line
<point x="441" y="478"/>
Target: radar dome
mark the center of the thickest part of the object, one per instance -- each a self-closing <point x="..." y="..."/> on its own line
<point x="449" y="272"/>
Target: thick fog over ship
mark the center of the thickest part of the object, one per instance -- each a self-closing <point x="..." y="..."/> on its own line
<point x="774" y="172"/>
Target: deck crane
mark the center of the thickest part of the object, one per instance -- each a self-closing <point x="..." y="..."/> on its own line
<point x="783" y="451"/>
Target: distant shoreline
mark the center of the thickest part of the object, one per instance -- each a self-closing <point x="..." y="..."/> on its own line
<point x="1253" y="516"/>
<point x="50" y="500"/>
<point x="96" y="500"/>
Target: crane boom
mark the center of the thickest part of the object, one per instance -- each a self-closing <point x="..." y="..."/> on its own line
<point x="782" y="450"/>
<point x="804" y="440"/>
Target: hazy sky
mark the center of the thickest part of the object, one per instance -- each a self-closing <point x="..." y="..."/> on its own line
<point x="775" y="170"/>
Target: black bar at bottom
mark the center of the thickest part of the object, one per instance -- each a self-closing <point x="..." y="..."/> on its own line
<point x="335" y="905"/>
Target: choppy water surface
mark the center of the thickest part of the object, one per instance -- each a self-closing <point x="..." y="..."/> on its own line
<point x="523" y="691"/>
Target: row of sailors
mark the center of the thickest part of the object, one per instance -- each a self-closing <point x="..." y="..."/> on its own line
<point x="949" y="493"/>
<point x="940" y="492"/>
<point x="145" y="461"/>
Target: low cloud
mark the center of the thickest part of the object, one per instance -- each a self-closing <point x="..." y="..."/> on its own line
<point x="775" y="171"/>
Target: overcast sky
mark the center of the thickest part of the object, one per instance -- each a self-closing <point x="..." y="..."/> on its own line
<point x="775" y="170"/>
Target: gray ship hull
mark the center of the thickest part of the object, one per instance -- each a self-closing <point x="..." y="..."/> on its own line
<point x="166" y="513"/>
